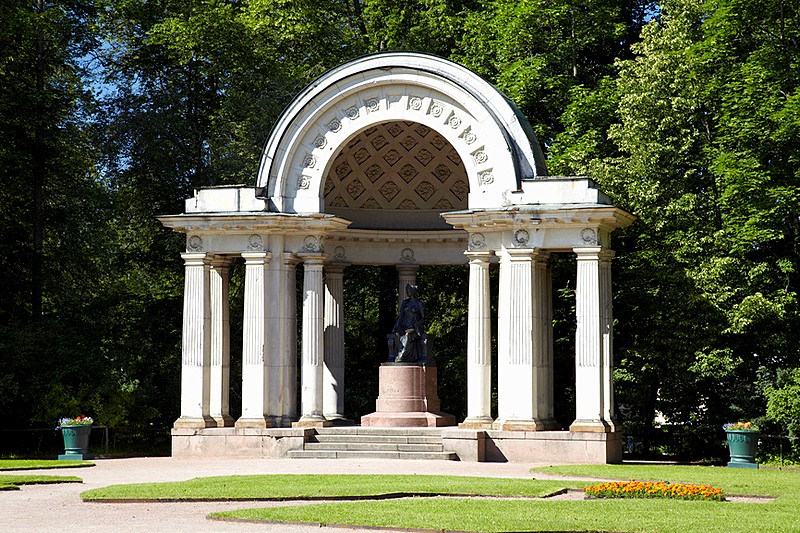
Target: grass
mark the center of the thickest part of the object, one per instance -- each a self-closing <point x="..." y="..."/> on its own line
<point x="38" y="464"/>
<point x="780" y="515"/>
<point x="13" y="482"/>
<point x="284" y="487"/>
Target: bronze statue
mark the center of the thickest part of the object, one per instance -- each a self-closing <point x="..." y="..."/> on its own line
<point x="409" y="329"/>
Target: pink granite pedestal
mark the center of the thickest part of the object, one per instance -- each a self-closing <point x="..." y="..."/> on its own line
<point x="407" y="397"/>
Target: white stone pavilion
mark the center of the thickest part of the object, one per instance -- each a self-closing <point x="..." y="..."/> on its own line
<point x="398" y="159"/>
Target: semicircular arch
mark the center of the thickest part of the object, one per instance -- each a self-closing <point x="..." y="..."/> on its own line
<point x="476" y="119"/>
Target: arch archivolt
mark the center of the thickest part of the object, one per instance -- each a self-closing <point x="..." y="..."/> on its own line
<point x="295" y="179"/>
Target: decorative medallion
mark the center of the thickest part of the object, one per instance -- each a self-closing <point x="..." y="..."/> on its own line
<point x="392" y="157"/>
<point x="425" y="190"/>
<point x="374" y="172"/>
<point x="589" y="236"/>
<point x="468" y="136"/>
<point x="454" y="122"/>
<point x="442" y="172"/>
<point x="407" y="256"/>
<point x="255" y="242"/>
<point x="339" y="253"/>
<point x="436" y="109"/>
<point x="352" y="112"/>
<point x="361" y="155"/>
<point x="303" y="182"/>
<point x="372" y="105"/>
<point x="521" y="237"/>
<point x="480" y="157"/>
<point x="415" y="103"/>
<point x="320" y="141"/>
<point x="477" y="240"/>
<point x="334" y="125"/>
<point x="424" y="157"/>
<point x="312" y="244"/>
<point x="194" y="243"/>
<point x="485" y="178"/>
<point x="309" y="161"/>
<point x="395" y="129"/>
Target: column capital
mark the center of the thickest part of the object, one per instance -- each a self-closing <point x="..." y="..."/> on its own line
<point x="290" y="259"/>
<point x="256" y="257"/>
<point x="521" y="254"/>
<point x="196" y="258"/>
<point x="336" y="267"/>
<point x="221" y="261"/>
<point x="313" y="258"/>
<point x="479" y="256"/>
<point x="407" y="268"/>
<point x="588" y="252"/>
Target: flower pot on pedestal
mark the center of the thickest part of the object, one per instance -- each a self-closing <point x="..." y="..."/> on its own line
<point x="76" y="442"/>
<point x="742" y="445"/>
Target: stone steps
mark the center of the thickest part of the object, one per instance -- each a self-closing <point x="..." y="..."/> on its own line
<point x="374" y="443"/>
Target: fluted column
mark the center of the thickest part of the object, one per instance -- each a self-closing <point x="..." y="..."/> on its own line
<point x="196" y="343"/>
<point x="589" y="379"/>
<point x="313" y="342"/>
<point x="479" y="337"/>
<point x="254" y="369"/>
<point x="607" y="334"/>
<point x="276" y="351"/>
<point x="516" y="343"/>
<point x="333" y="374"/>
<point x="543" y="408"/>
<point x="288" y="389"/>
<point x="406" y="275"/>
<point x="220" y="342"/>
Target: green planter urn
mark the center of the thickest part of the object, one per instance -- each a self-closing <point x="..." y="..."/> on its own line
<point x="742" y="445"/>
<point x="76" y="442"/>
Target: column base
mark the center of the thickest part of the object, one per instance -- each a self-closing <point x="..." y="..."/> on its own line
<point x="312" y="421"/>
<point x="477" y="422"/>
<point x="516" y="424"/>
<point x="253" y="423"/>
<point x="591" y="426"/>
<point x="224" y="421"/>
<point x="339" y="420"/>
<point x="551" y="424"/>
<point x="186" y="422"/>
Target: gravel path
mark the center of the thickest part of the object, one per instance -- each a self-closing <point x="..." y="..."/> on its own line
<point x="59" y="507"/>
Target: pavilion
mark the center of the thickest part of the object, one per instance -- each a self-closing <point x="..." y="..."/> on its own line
<point x="401" y="159"/>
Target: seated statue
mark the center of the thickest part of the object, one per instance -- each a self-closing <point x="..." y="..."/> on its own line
<point x="409" y="329"/>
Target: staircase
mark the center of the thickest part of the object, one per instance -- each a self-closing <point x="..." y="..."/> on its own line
<point x="357" y="442"/>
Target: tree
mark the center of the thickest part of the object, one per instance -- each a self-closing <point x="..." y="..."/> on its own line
<point x="702" y="148"/>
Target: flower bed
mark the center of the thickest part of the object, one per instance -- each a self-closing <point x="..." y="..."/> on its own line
<point x="654" y="489"/>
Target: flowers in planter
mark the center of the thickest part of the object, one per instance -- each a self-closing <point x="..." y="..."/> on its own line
<point x="77" y="421"/>
<point x="654" y="489"/>
<point x="740" y="426"/>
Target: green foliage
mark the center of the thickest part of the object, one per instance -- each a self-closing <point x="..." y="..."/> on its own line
<point x="783" y="403"/>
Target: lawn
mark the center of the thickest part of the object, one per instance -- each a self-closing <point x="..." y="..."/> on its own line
<point x="40" y="464"/>
<point x="499" y="514"/>
<point x="13" y="482"/>
<point x="302" y="487"/>
<point x="780" y="515"/>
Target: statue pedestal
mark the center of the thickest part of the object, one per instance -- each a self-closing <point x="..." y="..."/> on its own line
<point x="407" y="397"/>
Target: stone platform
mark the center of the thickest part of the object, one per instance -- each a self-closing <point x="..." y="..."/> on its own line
<point x="549" y="447"/>
<point x="407" y="397"/>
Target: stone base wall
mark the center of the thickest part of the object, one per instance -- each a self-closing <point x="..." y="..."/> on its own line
<point x="238" y="442"/>
<point x="556" y="447"/>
